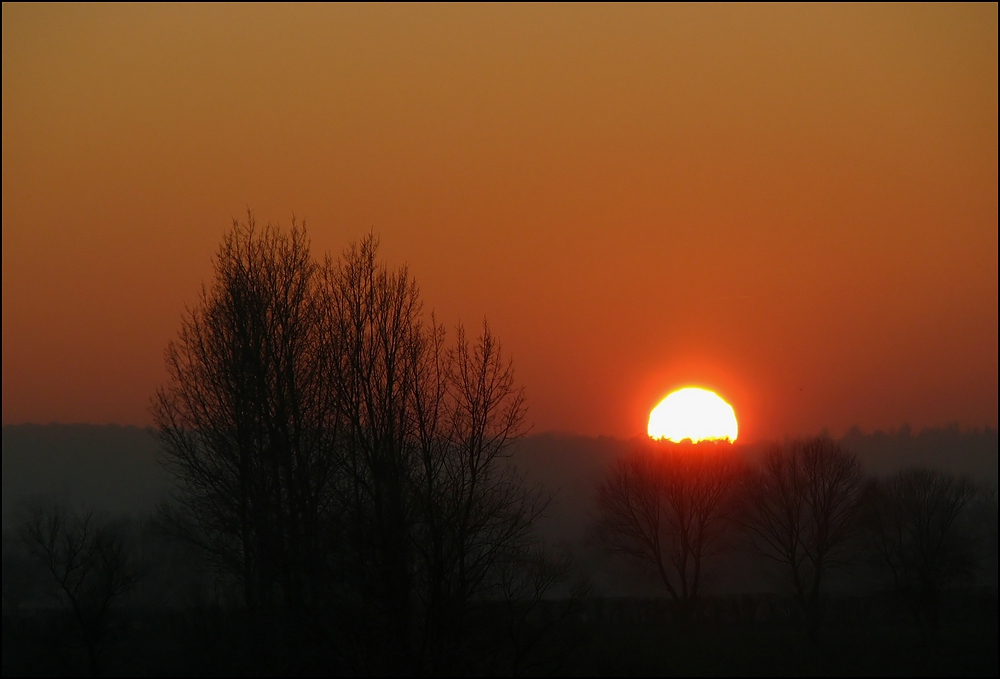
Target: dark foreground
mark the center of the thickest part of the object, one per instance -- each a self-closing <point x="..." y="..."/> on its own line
<point x="636" y="650"/>
<point x="754" y="636"/>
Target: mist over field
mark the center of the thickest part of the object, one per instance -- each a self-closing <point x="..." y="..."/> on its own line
<point x="114" y="469"/>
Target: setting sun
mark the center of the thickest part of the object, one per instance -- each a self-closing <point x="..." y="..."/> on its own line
<point x="695" y="414"/>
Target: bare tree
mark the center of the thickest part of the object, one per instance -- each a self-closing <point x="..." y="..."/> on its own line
<point x="669" y="507"/>
<point x="475" y="512"/>
<point x="372" y="332"/>
<point x="89" y="566"/>
<point x="532" y="628"/>
<point x="920" y="535"/>
<point x="803" y="511"/>
<point x="423" y="494"/>
<point x="329" y="443"/>
<point x="247" y="417"/>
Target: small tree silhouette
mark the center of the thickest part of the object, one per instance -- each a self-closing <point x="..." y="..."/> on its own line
<point x="802" y="511"/>
<point x="89" y="565"/>
<point x="920" y="536"/>
<point x="668" y="506"/>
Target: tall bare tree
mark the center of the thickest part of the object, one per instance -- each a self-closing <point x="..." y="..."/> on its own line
<point x="669" y="506"/>
<point x="423" y="494"/>
<point x="920" y="533"/>
<point x="89" y="565"/>
<point x="248" y="415"/>
<point x="476" y="514"/>
<point x="372" y="332"/>
<point x="803" y="506"/>
<point x="329" y="442"/>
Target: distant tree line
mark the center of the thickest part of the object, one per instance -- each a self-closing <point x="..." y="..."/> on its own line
<point x="806" y="506"/>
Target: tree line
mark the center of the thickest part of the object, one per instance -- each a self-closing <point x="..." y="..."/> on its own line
<point x="808" y="507"/>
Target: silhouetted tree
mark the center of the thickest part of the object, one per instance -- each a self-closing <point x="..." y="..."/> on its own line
<point x="247" y="418"/>
<point x="802" y="511"/>
<point x="920" y="534"/>
<point x="425" y="499"/>
<point x="333" y="453"/>
<point x="669" y="506"/>
<point x="476" y="514"/>
<point x="536" y="640"/>
<point x="89" y="566"/>
<point x="372" y="331"/>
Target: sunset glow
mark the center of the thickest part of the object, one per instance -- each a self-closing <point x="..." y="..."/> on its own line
<point x="796" y="205"/>
<point x="695" y="414"/>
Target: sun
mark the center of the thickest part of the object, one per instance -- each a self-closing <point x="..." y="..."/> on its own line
<point x="695" y="414"/>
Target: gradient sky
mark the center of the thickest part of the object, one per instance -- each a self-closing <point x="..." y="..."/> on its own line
<point x="796" y="206"/>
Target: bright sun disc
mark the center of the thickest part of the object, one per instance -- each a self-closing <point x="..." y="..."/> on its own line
<point x="692" y="413"/>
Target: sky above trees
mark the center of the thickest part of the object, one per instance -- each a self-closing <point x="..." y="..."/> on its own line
<point x="796" y="207"/>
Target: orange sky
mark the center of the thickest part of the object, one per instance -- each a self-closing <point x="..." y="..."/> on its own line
<point x="796" y="206"/>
